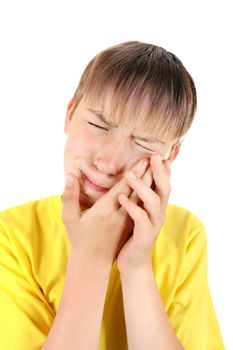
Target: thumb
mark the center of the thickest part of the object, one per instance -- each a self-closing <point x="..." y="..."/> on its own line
<point x="70" y="200"/>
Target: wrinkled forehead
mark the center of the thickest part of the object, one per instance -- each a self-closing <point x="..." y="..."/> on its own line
<point x="130" y="113"/>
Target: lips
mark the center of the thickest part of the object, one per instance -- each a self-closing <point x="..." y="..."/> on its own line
<point x="93" y="185"/>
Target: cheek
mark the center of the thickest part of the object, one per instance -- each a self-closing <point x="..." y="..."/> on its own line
<point x="80" y="144"/>
<point x="133" y="159"/>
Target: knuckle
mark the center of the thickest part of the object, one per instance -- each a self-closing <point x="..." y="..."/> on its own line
<point x="103" y="210"/>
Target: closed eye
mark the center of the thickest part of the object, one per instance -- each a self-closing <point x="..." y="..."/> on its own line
<point x="101" y="127"/>
<point x="144" y="147"/>
<point x="98" y="126"/>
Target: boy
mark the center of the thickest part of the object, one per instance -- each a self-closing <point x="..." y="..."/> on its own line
<point x="109" y="264"/>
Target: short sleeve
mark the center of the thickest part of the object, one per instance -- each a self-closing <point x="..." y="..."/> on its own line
<point x="24" y="318"/>
<point x="191" y="312"/>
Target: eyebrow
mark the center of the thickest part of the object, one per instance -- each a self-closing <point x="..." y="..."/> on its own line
<point x="99" y="115"/>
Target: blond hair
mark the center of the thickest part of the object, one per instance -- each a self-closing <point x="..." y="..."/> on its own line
<point x="144" y="85"/>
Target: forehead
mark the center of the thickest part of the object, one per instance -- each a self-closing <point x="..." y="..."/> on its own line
<point x="132" y="116"/>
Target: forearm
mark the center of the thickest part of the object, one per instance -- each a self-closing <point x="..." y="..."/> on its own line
<point x="77" y="323"/>
<point x="147" y="323"/>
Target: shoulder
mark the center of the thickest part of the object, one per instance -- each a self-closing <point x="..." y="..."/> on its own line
<point x="182" y="216"/>
<point x="181" y="227"/>
<point x="27" y="223"/>
<point x="24" y="213"/>
<point x="182" y="219"/>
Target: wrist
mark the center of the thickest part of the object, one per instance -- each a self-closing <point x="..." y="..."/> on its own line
<point x="141" y="274"/>
<point x="90" y="265"/>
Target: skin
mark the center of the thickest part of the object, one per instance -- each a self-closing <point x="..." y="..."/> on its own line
<point x="120" y="223"/>
<point x="106" y="155"/>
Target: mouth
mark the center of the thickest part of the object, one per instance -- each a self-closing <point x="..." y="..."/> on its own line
<point x="87" y="181"/>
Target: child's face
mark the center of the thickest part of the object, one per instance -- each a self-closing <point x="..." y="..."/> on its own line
<point x="100" y="152"/>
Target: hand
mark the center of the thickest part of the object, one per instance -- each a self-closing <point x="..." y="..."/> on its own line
<point x="148" y="217"/>
<point x="99" y="232"/>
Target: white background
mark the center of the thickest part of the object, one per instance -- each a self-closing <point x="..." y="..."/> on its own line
<point x="45" y="46"/>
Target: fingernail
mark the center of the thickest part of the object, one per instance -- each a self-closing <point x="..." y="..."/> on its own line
<point x="69" y="181"/>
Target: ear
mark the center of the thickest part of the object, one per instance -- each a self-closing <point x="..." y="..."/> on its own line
<point x="174" y="153"/>
<point x="69" y="114"/>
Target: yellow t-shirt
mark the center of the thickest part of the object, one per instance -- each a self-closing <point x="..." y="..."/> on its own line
<point x="34" y="250"/>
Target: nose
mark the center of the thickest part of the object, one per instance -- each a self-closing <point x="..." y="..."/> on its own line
<point x="112" y="158"/>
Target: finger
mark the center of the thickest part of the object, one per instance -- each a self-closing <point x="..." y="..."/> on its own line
<point x="161" y="176"/>
<point x="150" y="199"/>
<point x="167" y="165"/>
<point x="110" y="199"/>
<point x="148" y="180"/>
<point x="138" y="215"/>
<point x="70" y="200"/>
